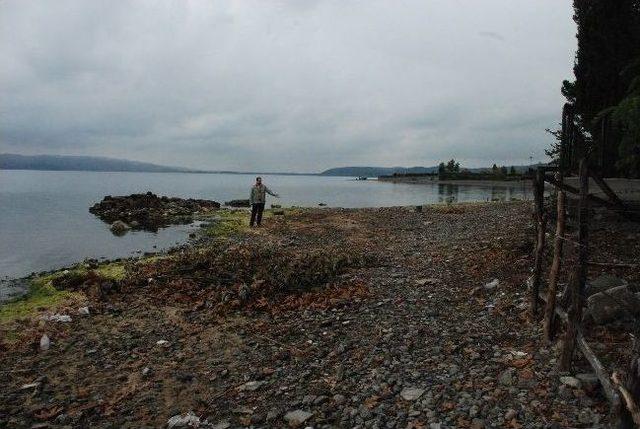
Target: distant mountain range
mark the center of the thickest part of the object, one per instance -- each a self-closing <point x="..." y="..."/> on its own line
<point x="10" y="161"/>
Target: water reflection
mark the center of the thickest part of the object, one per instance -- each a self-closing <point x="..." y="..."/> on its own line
<point x="453" y="193"/>
<point x="45" y="221"/>
<point x="448" y="193"/>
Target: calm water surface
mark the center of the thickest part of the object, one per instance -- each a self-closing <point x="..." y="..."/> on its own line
<point x="45" y="222"/>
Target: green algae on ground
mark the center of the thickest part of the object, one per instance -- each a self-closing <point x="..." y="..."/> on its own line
<point x="42" y="295"/>
<point x="226" y="223"/>
<point x="112" y="271"/>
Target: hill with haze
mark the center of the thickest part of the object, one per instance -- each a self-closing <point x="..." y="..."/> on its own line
<point x="376" y="171"/>
<point x="10" y="161"/>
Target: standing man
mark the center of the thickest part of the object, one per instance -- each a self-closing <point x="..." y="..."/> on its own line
<point x="257" y="199"/>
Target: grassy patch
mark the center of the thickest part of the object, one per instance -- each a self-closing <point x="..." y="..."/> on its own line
<point x="227" y="223"/>
<point x="152" y="259"/>
<point x="43" y="295"/>
<point x="113" y="271"/>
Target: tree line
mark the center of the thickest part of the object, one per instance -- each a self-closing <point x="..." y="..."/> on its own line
<point x="452" y="170"/>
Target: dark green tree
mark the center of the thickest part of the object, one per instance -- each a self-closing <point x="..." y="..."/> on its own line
<point x="608" y="41"/>
<point x="442" y="171"/>
<point x="625" y="120"/>
<point x="512" y="171"/>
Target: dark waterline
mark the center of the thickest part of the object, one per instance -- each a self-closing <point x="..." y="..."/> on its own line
<point x="45" y="223"/>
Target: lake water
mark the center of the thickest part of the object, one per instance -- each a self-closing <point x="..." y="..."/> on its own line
<point x="45" y="222"/>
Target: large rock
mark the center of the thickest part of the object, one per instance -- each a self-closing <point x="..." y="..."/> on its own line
<point x="602" y="283"/>
<point x="297" y="418"/>
<point x="618" y="303"/>
<point x="237" y="203"/>
<point x="149" y="211"/>
<point x="119" y="228"/>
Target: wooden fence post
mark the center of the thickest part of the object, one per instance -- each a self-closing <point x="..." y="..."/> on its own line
<point x="541" y="228"/>
<point x="580" y="279"/>
<point x="552" y="287"/>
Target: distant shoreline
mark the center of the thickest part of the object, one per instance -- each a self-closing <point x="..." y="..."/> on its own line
<point x="433" y="181"/>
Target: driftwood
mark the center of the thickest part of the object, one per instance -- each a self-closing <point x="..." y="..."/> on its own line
<point x="601" y="372"/>
<point x="549" y="313"/>
<point x="612" y="265"/>
<point x="580" y="279"/>
<point x="627" y="396"/>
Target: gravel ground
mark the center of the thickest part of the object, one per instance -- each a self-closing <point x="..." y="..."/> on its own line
<point x="432" y="334"/>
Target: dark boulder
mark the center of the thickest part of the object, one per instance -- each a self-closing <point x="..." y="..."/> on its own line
<point x="149" y="211"/>
<point x="237" y="203"/>
<point x="615" y="304"/>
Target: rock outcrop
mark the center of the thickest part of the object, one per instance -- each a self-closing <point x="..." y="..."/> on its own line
<point x="237" y="203"/>
<point x="149" y="211"/>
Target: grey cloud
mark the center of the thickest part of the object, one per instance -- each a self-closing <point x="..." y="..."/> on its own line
<point x="283" y="85"/>
<point x="492" y="35"/>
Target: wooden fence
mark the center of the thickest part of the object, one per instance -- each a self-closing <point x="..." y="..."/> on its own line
<point x="573" y="158"/>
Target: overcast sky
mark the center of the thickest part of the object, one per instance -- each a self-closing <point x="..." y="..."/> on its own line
<point x="297" y="85"/>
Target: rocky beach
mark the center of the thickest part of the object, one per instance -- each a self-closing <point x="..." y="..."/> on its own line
<point x="323" y="318"/>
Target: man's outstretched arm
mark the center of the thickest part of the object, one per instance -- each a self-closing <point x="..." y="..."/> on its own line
<point x="270" y="192"/>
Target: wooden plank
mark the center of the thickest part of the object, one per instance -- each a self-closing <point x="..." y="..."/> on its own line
<point x="607" y="190"/>
<point x="572" y="190"/>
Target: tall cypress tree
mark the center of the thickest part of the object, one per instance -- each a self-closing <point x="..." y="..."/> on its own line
<point x="608" y="41"/>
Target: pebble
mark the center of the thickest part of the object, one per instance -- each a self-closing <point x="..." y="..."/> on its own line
<point x="179" y="421"/>
<point x="506" y="377"/>
<point x="411" y="393"/>
<point x="339" y="399"/>
<point x="571" y="382"/>
<point x="45" y="342"/>
<point x="250" y="386"/>
<point x="492" y="284"/>
<point x="510" y="414"/>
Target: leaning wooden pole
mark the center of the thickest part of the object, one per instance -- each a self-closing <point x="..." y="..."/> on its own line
<point x="580" y="279"/>
<point x="539" y="255"/>
<point x="552" y="288"/>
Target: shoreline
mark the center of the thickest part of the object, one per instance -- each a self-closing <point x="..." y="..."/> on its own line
<point x="483" y="183"/>
<point x="338" y="317"/>
<point x="199" y="239"/>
